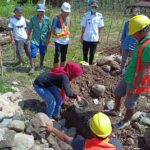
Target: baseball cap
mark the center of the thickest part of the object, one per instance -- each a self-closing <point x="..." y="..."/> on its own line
<point x="40" y="7"/>
<point x="94" y="4"/>
<point x="18" y="9"/>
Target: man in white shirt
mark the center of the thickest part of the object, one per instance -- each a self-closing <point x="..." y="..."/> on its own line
<point x="18" y="34"/>
<point x="92" y="26"/>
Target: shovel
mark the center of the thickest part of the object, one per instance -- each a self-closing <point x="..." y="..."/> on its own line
<point x="81" y="107"/>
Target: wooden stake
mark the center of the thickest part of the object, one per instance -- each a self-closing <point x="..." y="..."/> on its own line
<point x="1" y="62"/>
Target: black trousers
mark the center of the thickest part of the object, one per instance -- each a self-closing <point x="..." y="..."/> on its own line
<point x="86" y="47"/>
<point x="60" y="50"/>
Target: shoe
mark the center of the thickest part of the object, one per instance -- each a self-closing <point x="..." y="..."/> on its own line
<point x="121" y="124"/>
<point x="113" y="112"/>
<point x="31" y="71"/>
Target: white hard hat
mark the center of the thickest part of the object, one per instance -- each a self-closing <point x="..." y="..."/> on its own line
<point x="66" y="7"/>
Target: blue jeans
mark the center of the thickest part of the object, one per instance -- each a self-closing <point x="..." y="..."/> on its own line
<point x="52" y="97"/>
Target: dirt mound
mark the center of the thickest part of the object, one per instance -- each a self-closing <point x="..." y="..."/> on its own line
<point x="95" y="75"/>
<point x="130" y="137"/>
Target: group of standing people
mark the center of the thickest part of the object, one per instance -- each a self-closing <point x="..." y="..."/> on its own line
<point x="41" y="28"/>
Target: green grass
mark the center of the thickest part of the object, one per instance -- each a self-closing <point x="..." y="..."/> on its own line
<point x="4" y="86"/>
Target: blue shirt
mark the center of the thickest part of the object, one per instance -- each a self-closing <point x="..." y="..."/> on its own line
<point x="56" y="24"/>
<point x="128" y="42"/>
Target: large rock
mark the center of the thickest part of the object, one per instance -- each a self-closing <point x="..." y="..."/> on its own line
<point x="6" y="122"/>
<point x="142" y="116"/>
<point x="104" y="61"/>
<point x="147" y="137"/>
<point x="136" y="116"/>
<point x="118" y="59"/>
<point x="106" y="68"/>
<point x="114" y="65"/>
<point x="57" y="144"/>
<point x="6" y="98"/>
<point x="16" y="96"/>
<point x="98" y="90"/>
<point x="2" y="116"/>
<point x="1" y="106"/>
<point x="41" y="147"/>
<point x="129" y="142"/>
<point x="23" y="142"/>
<point x="17" y="125"/>
<point x="145" y="118"/>
<point x="35" y="124"/>
<point x="9" y="111"/>
<point x="6" y="138"/>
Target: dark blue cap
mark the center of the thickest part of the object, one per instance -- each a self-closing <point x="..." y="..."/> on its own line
<point x="18" y="9"/>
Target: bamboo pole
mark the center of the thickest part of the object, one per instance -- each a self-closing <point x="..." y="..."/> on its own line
<point x="1" y="62"/>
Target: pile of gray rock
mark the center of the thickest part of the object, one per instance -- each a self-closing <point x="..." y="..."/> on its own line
<point x="17" y="134"/>
<point x="110" y="64"/>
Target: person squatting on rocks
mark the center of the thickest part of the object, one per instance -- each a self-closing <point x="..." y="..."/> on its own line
<point x="137" y="76"/>
<point x="128" y="42"/>
<point x="18" y="34"/>
<point x="54" y="85"/>
<point x="40" y="26"/>
<point x="61" y="31"/>
<point x="100" y="127"/>
<point x="91" y="33"/>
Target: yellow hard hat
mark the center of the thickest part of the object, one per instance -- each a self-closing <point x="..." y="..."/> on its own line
<point x="100" y="125"/>
<point x="137" y="23"/>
